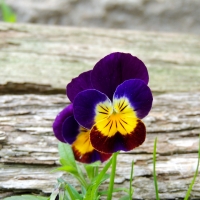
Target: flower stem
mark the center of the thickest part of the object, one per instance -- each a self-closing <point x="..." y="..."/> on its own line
<point x="112" y="176"/>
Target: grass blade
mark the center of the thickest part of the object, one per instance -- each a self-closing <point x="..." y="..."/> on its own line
<point x="131" y="180"/>
<point x="154" y="170"/>
<point x="195" y="175"/>
<point x="7" y="14"/>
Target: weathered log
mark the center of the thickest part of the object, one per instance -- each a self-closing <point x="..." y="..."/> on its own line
<point x="42" y="60"/>
<point x="29" y="149"/>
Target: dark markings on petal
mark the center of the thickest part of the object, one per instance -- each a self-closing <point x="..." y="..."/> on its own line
<point x="103" y="108"/>
<point x="103" y="113"/>
<point x="123" y="108"/>
<point x="124" y="121"/>
<point x="122" y="125"/>
<point x="121" y="105"/>
<point x="84" y="130"/>
<point x="116" y="123"/>
<point x="118" y="141"/>
<point x="111" y="126"/>
<point x="107" y="124"/>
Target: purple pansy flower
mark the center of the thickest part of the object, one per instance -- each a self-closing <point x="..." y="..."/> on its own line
<point x="67" y="130"/>
<point x="108" y="103"/>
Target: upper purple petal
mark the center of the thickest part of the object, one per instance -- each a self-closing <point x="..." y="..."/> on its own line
<point x="78" y="84"/>
<point x="138" y="94"/>
<point x="58" y="122"/>
<point x="85" y="105"/>
<point x="114" y="69"/>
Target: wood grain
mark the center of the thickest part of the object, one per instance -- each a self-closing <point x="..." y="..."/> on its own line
<point x="43" y="59"/>
<point x="37" y="62"/>
<point x="29" y="149"/>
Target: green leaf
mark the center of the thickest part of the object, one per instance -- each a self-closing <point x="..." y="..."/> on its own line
<point x="68" y="162"/>
<point x="127" y="197"/>
<point x="7" y="13"/>
<point x="195" y="175"/>
<point x="92" y="189"/>
<point x="68" y="169"/>
<point x="73" y="192"/>
<point x="112" y="175"/>
<point x="53" y="196"/>
<point x="92" y="169"/>
<point x="105" y="192"/>
<point x="26" y="197"/>
<point x="66" y="154"/>
<point x="83" y="190"/>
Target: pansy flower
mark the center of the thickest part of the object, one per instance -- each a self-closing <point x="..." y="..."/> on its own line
<point x="108" y="103"/>
<point x="67" y="130"/>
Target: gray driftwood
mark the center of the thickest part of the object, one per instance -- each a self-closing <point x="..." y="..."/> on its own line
<point x="42" y="60"/>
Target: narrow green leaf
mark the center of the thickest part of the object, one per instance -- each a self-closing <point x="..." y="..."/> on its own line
<point x="54" y="195"/>
<point x="15" y="198"/>
<point x="68" y="169"/>
<point x="91" y="169"/>
<point x="92" y="189"/>
<point x="131" y="180"/>
<point x="105" y="192"/>
<point x="127" y="197"/>
<point x="61" y="194"/>
<point x="73" y="192"/>
<point x="7" y="13"/>
<point x="26" y="197"/>
<point x="112" y="176"/>
<point x="83" y="190"/>
<point x="154" y="170"/>
<point x="195" y="175"/>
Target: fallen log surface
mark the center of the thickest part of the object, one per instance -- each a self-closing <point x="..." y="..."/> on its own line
<point x="36" y="64"/>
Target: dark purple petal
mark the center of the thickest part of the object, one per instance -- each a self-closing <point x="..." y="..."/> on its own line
<point x="138" y="94"/>
<point x="114" y="69"/>
<point x="70" y="130"/>
<point x="78" y="84"/>
<point x="86" y="104"/>
<point x="61" y="117"/>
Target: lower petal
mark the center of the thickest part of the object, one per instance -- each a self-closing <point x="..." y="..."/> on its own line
<point x="84" y="151"/>
<point x="91" y="156"/>
<point x="114" y="140"/>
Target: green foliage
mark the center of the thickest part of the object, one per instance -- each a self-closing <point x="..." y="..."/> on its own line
<point x="7" y="13"/>
<point x="92" y="169"/>
<point x="90" y="180"/>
